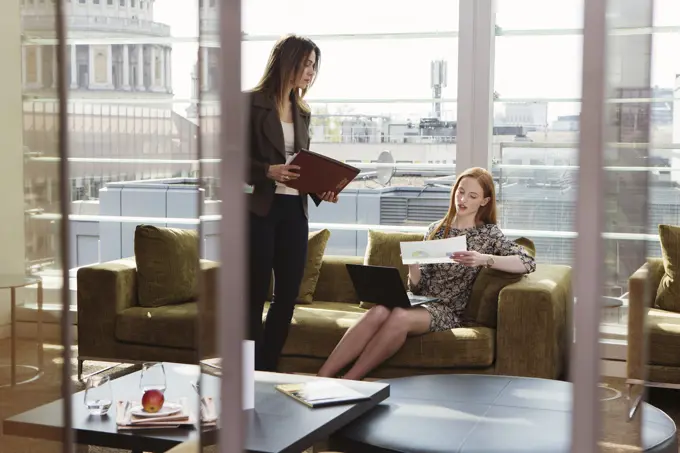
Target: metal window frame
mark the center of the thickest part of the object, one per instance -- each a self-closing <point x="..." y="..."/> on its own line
<point x="232" y="273"/>
<point x="585" y="355"/>
<point x="68" y="438"/>
<point x="476" y="57"/>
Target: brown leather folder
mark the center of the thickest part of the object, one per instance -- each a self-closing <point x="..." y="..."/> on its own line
<point x="320" y="173"/>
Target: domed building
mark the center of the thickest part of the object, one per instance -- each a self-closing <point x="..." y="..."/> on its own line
<point x="119" y="71"/>
<point x="95" y="65"/>
<point x="206" y="89"/>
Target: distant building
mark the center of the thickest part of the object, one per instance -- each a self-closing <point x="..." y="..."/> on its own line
<point x="101" y="67"/>
<point x="95" y="73"/>
<point x="146" y="126"/>
<point x="532" y="115"/>
<point x="566" y="123"/>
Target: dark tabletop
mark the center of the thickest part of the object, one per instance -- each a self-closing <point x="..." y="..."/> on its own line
<point x="277" y="424"/>
<point x="476" y="413"/>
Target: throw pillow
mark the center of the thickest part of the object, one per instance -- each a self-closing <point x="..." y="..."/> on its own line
<point x="383" y="250"/>
<point x="167" y="265"/>
<point x="668" y="292"/>
<point x="482" y="308"/>
<point x="316" y="247"/>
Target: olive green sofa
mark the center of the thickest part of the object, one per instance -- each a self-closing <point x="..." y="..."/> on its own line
<point x="516" y="327"/>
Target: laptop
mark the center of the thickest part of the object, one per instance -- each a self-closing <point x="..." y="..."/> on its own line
<point x="383" y="286"/>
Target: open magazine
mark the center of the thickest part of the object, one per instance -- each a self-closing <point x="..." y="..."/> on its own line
<point x="436" y="251"/>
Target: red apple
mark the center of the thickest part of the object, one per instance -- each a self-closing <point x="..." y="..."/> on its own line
<point x="152" y="401"/>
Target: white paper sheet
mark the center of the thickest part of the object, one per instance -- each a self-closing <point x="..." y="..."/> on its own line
<point x="432" y="252"/>
<point x="248" y="374"/>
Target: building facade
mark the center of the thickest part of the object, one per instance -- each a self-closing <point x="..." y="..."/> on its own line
<point x="119" y="72"/>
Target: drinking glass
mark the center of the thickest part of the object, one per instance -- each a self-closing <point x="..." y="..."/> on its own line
<point x="98" y="395"/>
<point x="153" y="377"/>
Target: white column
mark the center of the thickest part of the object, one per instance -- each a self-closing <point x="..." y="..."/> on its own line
<point x="23" y="65"/>
<point x="126" y="67"/>
<point x="140" y="67"/>
<point x="55" y="67"/>
<point x="476" y="48"/>
<point x="169" y="63"/>
<point x="74" y="66"/>
<point x="11" y="141"/>
<point x="109" y="66"/>
<point x="204" y="69"/>
<point x="152" y="59"/>
<point x="91" y="67"/>
<point x="161" y="51"/>
<point x="39" y="65"/>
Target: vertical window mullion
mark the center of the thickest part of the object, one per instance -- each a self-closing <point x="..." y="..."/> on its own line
<point x="476" y="53"/>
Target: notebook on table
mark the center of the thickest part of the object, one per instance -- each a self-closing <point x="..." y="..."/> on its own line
<point x="321" y="393"/>
<point x="319" y="173"/>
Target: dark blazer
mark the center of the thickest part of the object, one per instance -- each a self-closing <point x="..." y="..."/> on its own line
<point x="266" y="146"/>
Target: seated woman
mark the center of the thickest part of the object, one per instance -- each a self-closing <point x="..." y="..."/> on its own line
<point x="381" y="331"/>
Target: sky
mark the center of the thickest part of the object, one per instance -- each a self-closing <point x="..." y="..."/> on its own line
<point x="525" y="67"/>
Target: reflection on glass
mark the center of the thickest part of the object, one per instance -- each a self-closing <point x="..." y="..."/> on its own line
<point x="98" y="395"/>
<point x="31" y="353"/>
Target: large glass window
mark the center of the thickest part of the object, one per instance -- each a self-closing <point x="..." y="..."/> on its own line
<point x="386" y="93"/>
<point x="537" y="89"/>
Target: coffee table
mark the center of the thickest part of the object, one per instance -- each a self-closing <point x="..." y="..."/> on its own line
<point x="277" y="424"/>
<point x="491" y="414"/>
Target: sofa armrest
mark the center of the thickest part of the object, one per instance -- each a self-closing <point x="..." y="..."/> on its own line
<point x="531" y="335"/>
<point x="104" y="290"/>
<point x="642" y="286"/>
<point x="208" y="308"/>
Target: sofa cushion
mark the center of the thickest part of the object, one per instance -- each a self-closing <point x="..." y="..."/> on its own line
<point x="171" y="326"/>
<point x="663" y="328"/>
<point x="334" y="283"/>
<point x="383" y="250"/>
<point x="167" y="265"/>
<point x="668" y="293"/>
<point x="482" y="308"/>
<point x="327" y="322"/>
<point x="316" y="247"/>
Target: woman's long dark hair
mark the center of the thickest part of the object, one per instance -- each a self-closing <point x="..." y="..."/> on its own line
<point x="286" y="63"/>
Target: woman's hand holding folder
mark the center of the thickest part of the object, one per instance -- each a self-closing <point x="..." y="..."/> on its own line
<point x="330" y="197"/>
<point x="287" y="172"/>
<point x="283" y="173"/>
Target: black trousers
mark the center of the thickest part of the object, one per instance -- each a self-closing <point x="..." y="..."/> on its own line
<point x="279" y="242"/>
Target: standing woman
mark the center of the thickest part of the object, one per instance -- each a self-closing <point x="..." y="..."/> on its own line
<point x="278" y="129"/>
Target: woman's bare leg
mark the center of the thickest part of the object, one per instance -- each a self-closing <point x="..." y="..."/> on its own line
<point x="390" y="338"/>
<point x="355" y="340"/>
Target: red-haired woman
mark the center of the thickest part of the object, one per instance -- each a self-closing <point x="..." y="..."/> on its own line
<point x="381" y="332"/>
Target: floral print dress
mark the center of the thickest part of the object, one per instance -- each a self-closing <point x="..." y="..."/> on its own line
<point x="452" y="283"/>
